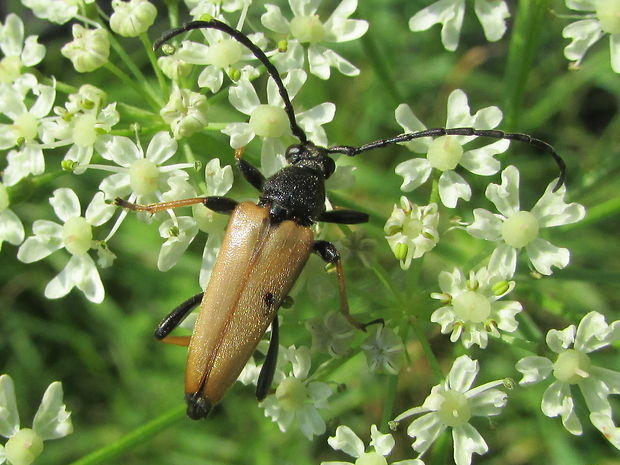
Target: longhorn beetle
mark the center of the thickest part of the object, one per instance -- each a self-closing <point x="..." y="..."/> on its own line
<point x="265" y="247"/>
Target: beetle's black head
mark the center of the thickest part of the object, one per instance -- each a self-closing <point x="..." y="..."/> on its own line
<point x="198" y="406"/>
<point x="310" y="156"/>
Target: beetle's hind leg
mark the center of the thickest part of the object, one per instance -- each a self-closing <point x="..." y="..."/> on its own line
<point x="265" y="378"/>
<point x="215" y="203"/>
<point x="174" y="319"/>
<point x="329" y="253"/>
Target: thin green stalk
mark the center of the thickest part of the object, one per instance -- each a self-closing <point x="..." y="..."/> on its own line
<point x="426" y="348"/>
<point x="389" y="395"/>
<point x="148" y="47"/>
<point x="128" y="81"/>
<point x="173" y="12"/>
<point x="136" y="437"/>
<point x="526" y="33"/>
<point x="138" y="75"/>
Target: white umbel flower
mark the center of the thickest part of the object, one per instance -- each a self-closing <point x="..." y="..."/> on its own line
<point x="185" y="112"/>
<point x="452" y="404"/>
<point x="17" y="51"/>
<point x="382" y="444"/>
<point x="473" y="310"/>
<point x="515" y="229"/>
<point x="411" y="230"/>
<point x="445" y="153"/>
<point x="586" y="32"/>
<point x="52" y="421"/>
<point x="132" y="18"/>
<point x="296" y="399"/>
<point x="307" y="28"/>
<point x="89" y="49"/>
<point x="573" y="367"/>
<point x="74" y="235"/>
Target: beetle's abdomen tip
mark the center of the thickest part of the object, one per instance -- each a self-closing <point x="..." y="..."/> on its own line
<point x="198" y="407"/>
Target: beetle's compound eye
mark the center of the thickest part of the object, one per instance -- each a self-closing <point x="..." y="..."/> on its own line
<point x="329" y="166"/>
<point x="293" y="152"/>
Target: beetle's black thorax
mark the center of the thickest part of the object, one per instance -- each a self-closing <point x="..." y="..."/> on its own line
<point x="295" y="193"/>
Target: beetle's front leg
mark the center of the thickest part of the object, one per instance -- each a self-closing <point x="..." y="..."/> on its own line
<point x="174" y="319"/>
<point x="249" y="171"/>
<point x="329" y="253"/>
<point x="215" y="203"/>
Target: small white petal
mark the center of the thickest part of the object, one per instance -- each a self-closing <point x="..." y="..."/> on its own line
<point x="98" y="211"/>
<point x="11" y="228"/>
<point x="243" y="97"/>
<point x="596" y="394"/>
<point x="161" y="148"/>
<point x="212" y="78"/>
<point x="82" y="272"/>
<point x="463" y="373"/>
<point x="551" y="210"/>
<point x="506" y="196"/>
<point x="614" y="48"/>
<point x="481" y="162"/>
<point x="453" y="187"/>
<point x="414" y="172"/>
<point x="534" y="369"/>
<point x="274" y="20"/>
<point x="486" y="225"/>
<point x="175" y="246"/>
<point x="605" y="425"/>
<point x="65" y="203"/>
<point x="240" y="134"/>
<point x="347" y="441"/>
<point x="467" y="441"/>
<point x="504" y="261"/>
<point x="492" y="16"/>
<point x="426" y="429"/>
<point x="410" y="123"/>
<point x="52" y="421"/>
<point x="121" y="150"/>
<point x="310" y="422"/>
<point x="544" y="255"/>
<point x="584" y="34"/>
<point x="321" y="59"/>
<point x="41" y="245"/>
<point x="383" y="443"/>
<point x="558" y="401"/>
<point x="9" y="417"/>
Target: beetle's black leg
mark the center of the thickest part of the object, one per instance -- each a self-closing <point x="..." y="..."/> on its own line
<point x="176" y="316"/>
<point x="249" y="171"/>
<point x="265" y="378"/>
<point x="215" y="203"/>
<point x="329" y="253"/>
<point x="343" y="217"/>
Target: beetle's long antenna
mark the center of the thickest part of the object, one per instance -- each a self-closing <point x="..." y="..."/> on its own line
<point x="436" y="132"/>
<point x="258" y="53"/>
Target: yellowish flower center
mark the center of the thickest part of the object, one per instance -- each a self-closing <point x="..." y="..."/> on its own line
<point x="520" y="229"/>
<point x="454" y="410"/>
<point x="269" y="121"/>
<point x="572" y="366"/>
<point x="307" y="28"/>
<point x="10" y="69"/>
<point x="291" y="394"/>
<point x="608" y="14"/>
<point x="143" y="177"/>
<point x="77" y="235"/>
<point x="371" y="458"/>
<point x="224" y="53"/>
<point x="84" y="130"/>
<point x="26" y="126"/>
<point x="24" y="447"/>
<point x="444" y="153"/>
<point x="472" y="306"/>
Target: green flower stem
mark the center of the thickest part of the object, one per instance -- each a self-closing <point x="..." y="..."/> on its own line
<point x="138" y="75"/>
<point x="426" y="348"/>
<point x="389" y="396"/>
<point x="129" y="82"/>
<point x="59" y="85"/>
<point x="136" y="437"/>
<point x="513" y="341"/>
<point x="530" y="21"/>
<point x="148" y="47"/>
<point x="434" y="197"/>
<point x="173" y="12"/>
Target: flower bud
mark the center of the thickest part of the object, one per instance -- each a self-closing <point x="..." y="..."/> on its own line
<point x="89" y="49"/>
<point x="130" y="19"/>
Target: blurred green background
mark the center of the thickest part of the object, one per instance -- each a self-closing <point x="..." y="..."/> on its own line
<point x="117" y="378"/>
